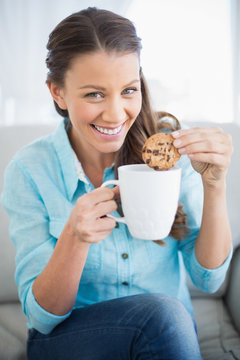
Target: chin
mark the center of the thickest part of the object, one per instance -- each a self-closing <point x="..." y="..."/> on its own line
<point x="111" y="148"/>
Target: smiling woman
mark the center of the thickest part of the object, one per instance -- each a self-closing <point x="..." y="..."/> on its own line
<point x="76" y="287"/>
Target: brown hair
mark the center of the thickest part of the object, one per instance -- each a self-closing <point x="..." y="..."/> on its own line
<point x="88" y="31"/>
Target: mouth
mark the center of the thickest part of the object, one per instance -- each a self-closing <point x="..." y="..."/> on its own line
<point x="107" y="130"/>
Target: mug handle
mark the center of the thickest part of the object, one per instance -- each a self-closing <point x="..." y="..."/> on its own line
<point x="116" y="218"/>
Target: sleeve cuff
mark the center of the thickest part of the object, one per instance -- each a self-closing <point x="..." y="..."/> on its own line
<point x="209" y="280"/>
<point x="40" y="319"/>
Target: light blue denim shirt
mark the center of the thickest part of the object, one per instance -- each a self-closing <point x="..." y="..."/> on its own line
<point x="42" y="184"/>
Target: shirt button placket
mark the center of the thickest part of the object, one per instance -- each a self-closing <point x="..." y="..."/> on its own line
<point x="125" y="257"/>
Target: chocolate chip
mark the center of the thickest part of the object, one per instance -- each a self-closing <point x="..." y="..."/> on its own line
<point x="157" y="168"/>
<point x="148" y="161"/>
<point x="149" y="150"/>
<point x="155" y="152"/>
<point x="160" y="143"/>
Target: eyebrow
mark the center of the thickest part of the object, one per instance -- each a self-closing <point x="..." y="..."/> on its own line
<point x="90" y="86"/>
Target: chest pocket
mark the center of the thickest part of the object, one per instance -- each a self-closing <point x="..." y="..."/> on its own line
<point x="94" y="258"/>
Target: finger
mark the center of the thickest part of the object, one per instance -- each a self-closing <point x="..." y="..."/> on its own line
<point x="196" y="130"/>
<point x="105" y="224"/>
<point x="207" y="146"/>
<point x="96" y="196"/>
<point x="212" y="138"/>
<point x="96" y="230"/>
<point x="103" y="194"/>
<point x="193" y="135"/>
<point x="104" y="208"/>
<point x="116" y="191"/>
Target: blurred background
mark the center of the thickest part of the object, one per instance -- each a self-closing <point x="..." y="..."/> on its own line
<point x="190" y="57"/>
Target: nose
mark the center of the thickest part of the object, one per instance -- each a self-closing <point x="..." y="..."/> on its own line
<point x="115" y="111"/>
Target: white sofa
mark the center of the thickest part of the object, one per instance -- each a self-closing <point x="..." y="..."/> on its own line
<point x="217" y="315"/>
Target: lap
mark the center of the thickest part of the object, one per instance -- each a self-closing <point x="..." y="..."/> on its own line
<point x="123" y="328"/>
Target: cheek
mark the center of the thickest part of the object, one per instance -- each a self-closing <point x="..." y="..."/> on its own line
<point x="136" y="107"/>
<point x="85" y="113"/>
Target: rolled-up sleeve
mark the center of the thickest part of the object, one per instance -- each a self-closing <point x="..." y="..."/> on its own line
<point x="29" y="231"/>
<point x="41" y="319"/>
<point x="208" y="280"/>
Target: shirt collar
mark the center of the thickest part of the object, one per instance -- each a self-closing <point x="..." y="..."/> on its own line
<point x="80" y="173"/>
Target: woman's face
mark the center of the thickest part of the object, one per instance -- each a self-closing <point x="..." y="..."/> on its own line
<point x="102" y="94"/>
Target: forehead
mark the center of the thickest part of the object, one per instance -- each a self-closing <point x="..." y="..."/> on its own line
<point x="104" y="66"/>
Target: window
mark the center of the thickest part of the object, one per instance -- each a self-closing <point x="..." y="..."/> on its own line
<point x="190" y="52"/>
<point x="187" y="57"/>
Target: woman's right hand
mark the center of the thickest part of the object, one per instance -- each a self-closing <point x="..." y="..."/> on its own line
<point x="88" y="221"/>
<point x="55" y="289"/>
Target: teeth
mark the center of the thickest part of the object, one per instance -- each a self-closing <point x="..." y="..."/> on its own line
<point x="108" y="131"/>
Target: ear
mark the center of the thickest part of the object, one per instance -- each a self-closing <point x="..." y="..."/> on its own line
<point x="57" y="95"/>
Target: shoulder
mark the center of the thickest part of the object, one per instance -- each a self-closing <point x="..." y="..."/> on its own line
<point x="37" y="153"/>
<point x="36" y="160"/>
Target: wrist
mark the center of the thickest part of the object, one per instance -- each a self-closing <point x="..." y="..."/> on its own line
<point x="73" y="236"/>
<point x="218" y="186"/>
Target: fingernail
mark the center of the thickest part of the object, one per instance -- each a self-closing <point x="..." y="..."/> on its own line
<point x="177" y="142"/>
<point x="182" y="150"/>
<point x="175" y="134"/>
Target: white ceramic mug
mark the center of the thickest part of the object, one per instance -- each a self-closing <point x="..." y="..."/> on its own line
<point x="149" y="199"/>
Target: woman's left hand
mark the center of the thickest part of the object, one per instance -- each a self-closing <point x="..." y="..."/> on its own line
<point x="209" y="150"/>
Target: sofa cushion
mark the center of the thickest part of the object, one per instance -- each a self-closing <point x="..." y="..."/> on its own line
<point x="7" y="262"/>
<point x="10" y="347"/>
<point x="218" y="338"/>
<point x="233" y="290"/>
<point x="13" y="320"/>
<point x="13" y="332"/>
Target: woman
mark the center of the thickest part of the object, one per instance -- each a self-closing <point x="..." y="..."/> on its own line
<point x="89" y="289"/>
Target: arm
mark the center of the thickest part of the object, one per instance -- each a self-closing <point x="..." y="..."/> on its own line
<point x="210" y="151"/>
<point x="214" y="240"/>
<point x="61" y="276"/>
<point x="48" y="270"/>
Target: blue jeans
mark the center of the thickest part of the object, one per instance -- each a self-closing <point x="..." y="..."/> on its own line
<point x="139" y="327"/>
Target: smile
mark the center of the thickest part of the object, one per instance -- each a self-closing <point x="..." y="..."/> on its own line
<point x="108" y="131"/>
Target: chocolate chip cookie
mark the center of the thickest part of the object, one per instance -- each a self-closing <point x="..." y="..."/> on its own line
<point x="159" y="152"/>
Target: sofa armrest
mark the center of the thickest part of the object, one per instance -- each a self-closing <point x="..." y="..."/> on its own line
<point x="232" y="295"/>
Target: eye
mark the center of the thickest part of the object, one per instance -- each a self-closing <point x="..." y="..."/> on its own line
<point x="94" y="95"/>
<point x="129" y="91"/>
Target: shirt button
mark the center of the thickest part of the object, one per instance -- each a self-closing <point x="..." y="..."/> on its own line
<point x="125" y="283"/>
<point x="124" y="256"/>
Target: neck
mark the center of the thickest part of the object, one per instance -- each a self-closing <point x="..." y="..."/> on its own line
<point x="93" y="162"/>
